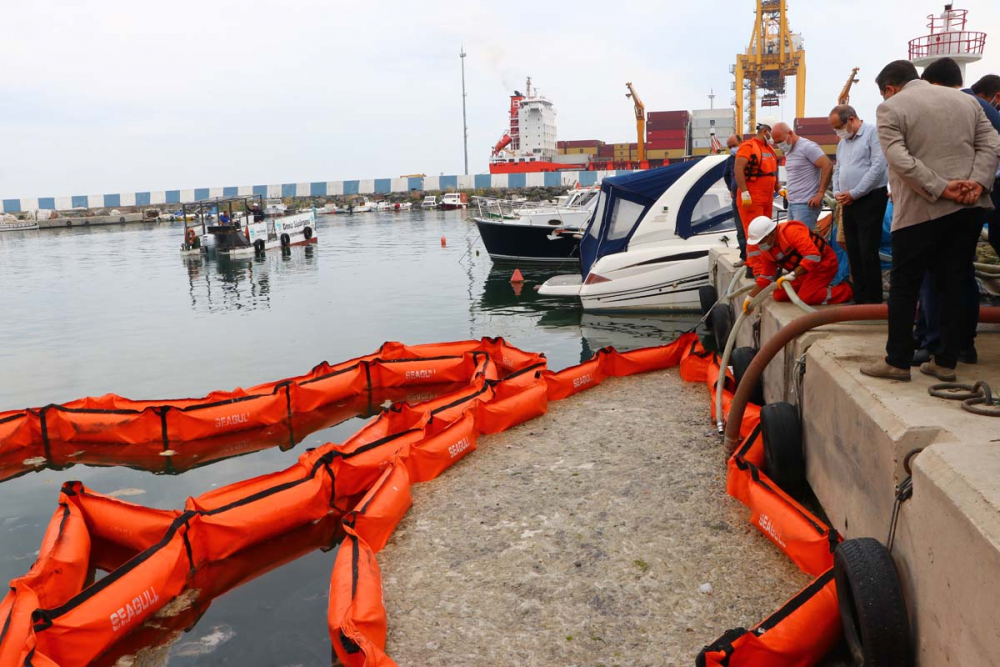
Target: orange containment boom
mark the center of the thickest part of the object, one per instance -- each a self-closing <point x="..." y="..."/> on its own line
<point x="57" y="614"/>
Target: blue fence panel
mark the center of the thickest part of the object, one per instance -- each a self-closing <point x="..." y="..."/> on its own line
<point x="517" y="180"/>
<point x="11" y="205"/>
<point x="79" y="201"/>
<point x="415" y="183"/>
<point x="112" y="201"/>
<point x="553" y="179"/>
<point x="288" y="189"/>
<point x="587" y="177"/>
<point x="448" y="182"/>
<point x="142" y="199"/>
<point x="173" y="196"/>
<point x="483" y="181"/>
<point x="200" y="193"/>
<point x="317" y="189"/>
<point x="231" y="191"/>
<point x="351" y="187"/>
<point x="383" y="186"/>
<point x="47" y="203"/>
<point x="260" y="190"/>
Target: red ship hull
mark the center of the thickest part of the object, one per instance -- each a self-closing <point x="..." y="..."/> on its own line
<point x="533" y="167"/>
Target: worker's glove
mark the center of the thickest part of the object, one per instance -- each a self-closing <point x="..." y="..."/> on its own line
<point x="747" y="305"/>
<point x="785" y="279"/>
<point x="784" y="193"/>
<point x="746" y="201"/>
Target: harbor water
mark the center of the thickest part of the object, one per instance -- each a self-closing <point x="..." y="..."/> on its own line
<point x="90" y="311"/>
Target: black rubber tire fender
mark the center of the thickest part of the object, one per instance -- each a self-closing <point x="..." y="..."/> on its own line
<point x="740" y="361"/>
<point x="121" y="219"/>
<point x="871" y="604"/>
<point x="285" y="240"/>
<point x="308" y="233"/>
<point x="722" y="324"/>
<point x="784" y="460"/>
<point x="707" y="295"/>
<point x="259" y="246"/>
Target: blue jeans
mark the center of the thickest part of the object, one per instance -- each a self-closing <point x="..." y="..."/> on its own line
<point x="804" y="214"/>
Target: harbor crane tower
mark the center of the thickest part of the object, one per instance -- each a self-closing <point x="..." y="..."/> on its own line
<point x="774" y="54"/>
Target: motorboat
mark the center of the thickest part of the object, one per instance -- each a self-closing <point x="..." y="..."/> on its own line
<point x="647" y="243"/>
<point x="453" y="201"/>
<point x="402" y="206"/>
<point x="520" y="231"/>
<point x="430" y="201"/>
<point x="17" y="225"/>
<point x="275" y="206"/>
<point x="360" y="205"/>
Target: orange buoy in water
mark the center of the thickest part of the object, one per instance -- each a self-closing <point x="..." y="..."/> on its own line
<point x="517" y="278"/>
<point x="444" y="241"/>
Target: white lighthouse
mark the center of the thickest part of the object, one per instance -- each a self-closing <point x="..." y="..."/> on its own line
<point x="949" y="38"/>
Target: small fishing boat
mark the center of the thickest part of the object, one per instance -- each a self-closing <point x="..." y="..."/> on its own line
<point x="430" y="201"/>
<point x="275" y="206"/>
<point x="453" y="201"/>
<point x="251" y="231"/>
<point x="402" y="206"/>
<point x="18" y="226"/>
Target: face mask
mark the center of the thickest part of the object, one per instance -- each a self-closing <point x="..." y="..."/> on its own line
<point x="733" y="151"/>
<point x="843" y="133"/>
<point x="764" y="246"/>
<point x="784" y="146"/>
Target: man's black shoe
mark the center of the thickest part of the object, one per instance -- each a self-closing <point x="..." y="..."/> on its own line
<point x="921" y="356"/>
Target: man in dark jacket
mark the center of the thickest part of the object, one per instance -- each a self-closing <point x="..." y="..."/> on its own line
<point x="729" y="176"/>
<point x="987" y="92"/>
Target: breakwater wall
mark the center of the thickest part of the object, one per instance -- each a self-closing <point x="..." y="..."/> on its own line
<point x="364" y="186"/>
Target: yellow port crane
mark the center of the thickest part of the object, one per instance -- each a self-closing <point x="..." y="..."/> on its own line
<point x="845" y="94"/>
<point x="774" y="54"/>
<point x="640" y="120"/>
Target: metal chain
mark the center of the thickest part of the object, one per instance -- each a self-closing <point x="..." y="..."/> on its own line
<point x="903" y="493"/>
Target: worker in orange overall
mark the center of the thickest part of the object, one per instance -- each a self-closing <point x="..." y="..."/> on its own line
<point x="808" y="260"/>
<point x="756" y="173"/>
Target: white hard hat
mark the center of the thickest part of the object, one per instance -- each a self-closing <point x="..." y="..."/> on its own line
<point x="759" y="228"/>
<point x="770" y="121"/>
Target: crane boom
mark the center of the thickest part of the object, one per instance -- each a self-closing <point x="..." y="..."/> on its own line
<point x="845" y="94"/>
<point x="640" y="120"/>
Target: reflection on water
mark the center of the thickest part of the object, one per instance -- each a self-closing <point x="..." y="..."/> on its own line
<point x="92" y="310"/>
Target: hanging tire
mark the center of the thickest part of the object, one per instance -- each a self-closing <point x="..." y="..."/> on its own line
<point x="285" y="241"/>
<point x="740" y="361"/>
<point x="871" y="604"/>
<point x="308" y="233"/>
<point x="708" y="295"/>
<point x="784" y="460"/>
<point x="722" y="324"/>
<point x="259" y="247"/>
<point x="121" y="219"/>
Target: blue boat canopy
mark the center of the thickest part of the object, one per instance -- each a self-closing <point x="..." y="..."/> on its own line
<point x="625" y="201"/>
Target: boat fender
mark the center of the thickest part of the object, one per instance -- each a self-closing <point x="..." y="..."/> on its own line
<point x="285" y="241"/>
<point x="871" y="603"/>
<point x="784" y="461"/>
<point x="258" y="246"/>
<point x="708" y="296"/>
<point x="740" y="360"/>
<point x="121" y="219"/>
<point x="308" y="233"/>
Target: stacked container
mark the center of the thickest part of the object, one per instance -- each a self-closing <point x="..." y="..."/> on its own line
<point x="703" y="121"/>
<point x="581" y="147"/>
<point x="667" y="134"/>
<point x="818" y="130"/>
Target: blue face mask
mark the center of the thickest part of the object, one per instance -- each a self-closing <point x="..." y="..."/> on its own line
<point x="733" y="151"/>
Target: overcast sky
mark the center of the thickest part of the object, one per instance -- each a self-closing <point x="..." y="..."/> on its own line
<point x="104" y="96"/>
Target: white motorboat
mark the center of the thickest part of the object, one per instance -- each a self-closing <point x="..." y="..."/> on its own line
<point x="402" y="206"/>
<point x="275" y="207"/>
<point x="524" y="232"/>
<point x="430" y="201"/>
<point x="17" y="225"/>
<point x="646" y="246"/>
<point x="383" y="205"/>
<point x="452" y="201"/>
<point x="360" y="205"/>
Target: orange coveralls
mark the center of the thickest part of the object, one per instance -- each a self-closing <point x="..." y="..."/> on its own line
<point x="761" y="178"/>
<point x="796" y="246"/>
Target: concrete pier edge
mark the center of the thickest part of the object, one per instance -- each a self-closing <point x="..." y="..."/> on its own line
<point x="857" y="432"/>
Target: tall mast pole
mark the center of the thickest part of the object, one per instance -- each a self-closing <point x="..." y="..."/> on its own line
<point x="465" y="126"/>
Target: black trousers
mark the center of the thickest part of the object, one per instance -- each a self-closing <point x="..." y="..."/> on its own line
<point x="863" y="234"/>
<point x="945" y="247"/>
<point x="741" y="237"/>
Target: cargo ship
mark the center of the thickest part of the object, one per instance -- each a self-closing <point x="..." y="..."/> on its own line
<point x="530" y="145"/>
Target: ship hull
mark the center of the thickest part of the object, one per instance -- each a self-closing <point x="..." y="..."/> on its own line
<point x="506" y="242"/>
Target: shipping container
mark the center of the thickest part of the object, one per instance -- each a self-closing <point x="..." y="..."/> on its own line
<point x="661" y="154"/>
<point x="606" y="151"/>
<point x="816" y="123"/>
<point x="707" y="134"/>
<point x="701" y="123"/>
<point x="701" y="151"/>
<point x="580" y="158"/>
<point x="584" y="143"/>
<point x="726" y="112"/>
<point x="667" y="144"/>
<point x="683" y="116"/>
<point x="653" y="135"/>
<point x="701" y="143"/>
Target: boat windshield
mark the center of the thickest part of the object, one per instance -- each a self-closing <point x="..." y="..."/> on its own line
<point x="598" y="219"/>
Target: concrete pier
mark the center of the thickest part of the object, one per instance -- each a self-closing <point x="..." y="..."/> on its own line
<point x="857" y="432"/>
<point x="93" y="220"/>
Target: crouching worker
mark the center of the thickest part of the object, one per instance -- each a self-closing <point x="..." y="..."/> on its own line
<point x="809" y="262"/>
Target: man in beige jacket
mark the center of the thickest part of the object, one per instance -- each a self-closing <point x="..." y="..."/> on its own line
<point x="942" y="154"/>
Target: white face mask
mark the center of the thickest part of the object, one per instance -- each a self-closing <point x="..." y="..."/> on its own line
<point x="784" y="146"/>
<point x="843" y="133"/>
<point x="733" y="150"/>
<point x="764" y="246"/>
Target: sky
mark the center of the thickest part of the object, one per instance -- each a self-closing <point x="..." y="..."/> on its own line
<point x="105" y="96"/>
